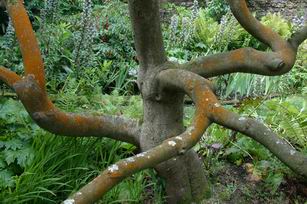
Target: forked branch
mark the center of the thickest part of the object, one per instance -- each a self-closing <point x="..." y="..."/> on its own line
<point x="249" y="60"/>
<point x="250" y="127"/>
<point x="177" y="80"/>
<point x="32" y="92"/>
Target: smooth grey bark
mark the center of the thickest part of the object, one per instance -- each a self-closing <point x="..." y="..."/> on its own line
<point x="163" y="113"/>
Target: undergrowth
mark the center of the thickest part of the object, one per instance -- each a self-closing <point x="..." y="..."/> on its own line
<point x="38" y="167"/>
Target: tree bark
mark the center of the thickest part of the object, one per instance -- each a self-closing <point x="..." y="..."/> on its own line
<point x="163" y="114"/>
<point x="184" y="175"/>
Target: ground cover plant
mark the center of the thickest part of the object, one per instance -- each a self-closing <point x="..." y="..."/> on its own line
<point x="77" y="84"/>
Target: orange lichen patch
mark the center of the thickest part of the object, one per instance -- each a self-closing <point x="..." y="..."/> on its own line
<point x="209" y="64"/>
<point x="219" y="113"/>
<point x="237" y="56"/>
<point x="79" y="120"/>
<point x="234" y="57"/>
<point x="202" y="98"/>
<point x="201" y="122"/>
<point x="32" y="59"/>
<point x="8" y="77"/>
<point x="288" y="56"/>
<point x="116" y="175"/>
<point x="244" y="9"/>
<point x="267" y="32"/>
<point x="189" y="85"/>
<point x="207" y="104"/>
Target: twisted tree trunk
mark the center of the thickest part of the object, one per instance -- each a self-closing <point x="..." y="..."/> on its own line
<point x="163" y="113"/>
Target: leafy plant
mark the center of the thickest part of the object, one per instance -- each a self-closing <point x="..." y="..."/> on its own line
<point x="278" y="24"/>
<point x="15" y="146"/>
<point x="217" y="8"/>
<point x="55" y="169"/>
<point x="285" y="116"/>
<point x="206" y="28"/>
<point x="245" y="85"/>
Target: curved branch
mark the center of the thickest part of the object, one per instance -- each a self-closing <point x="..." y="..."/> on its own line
<point x="32" y="59"/>
<point x="48" y="117"/>
<point x="263" y="33"/>
<point x="245" y="60"/>
<point x="197" y="88"/>
<point x="252" y="128"/>
<point x="249" y="60"/>
<point x="32" y="92"/>
<point x="8" y="77"/>
<point x="254" y="27"/>
<point x="262" y="134"/>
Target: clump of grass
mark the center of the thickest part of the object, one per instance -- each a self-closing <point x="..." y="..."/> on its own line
<point x="62" y="165"/>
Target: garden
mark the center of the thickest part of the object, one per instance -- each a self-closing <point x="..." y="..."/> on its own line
<point x="91" y="66"/>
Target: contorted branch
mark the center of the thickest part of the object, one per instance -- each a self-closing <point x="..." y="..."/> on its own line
<point x="252" y="128"/>
<point x="262" y="134"/>
<point x="264" y="33"/>
<point x="178" y="80"/>
<point x="254" y="27"/>
<point x="248" y="60"/>
<point x="245" y="60"/>
<point x="32" y="93"/>
<point x="47" y="116"/>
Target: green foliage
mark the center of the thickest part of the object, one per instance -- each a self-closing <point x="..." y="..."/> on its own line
<point x="278" y="24"/>
<point x="79" y="43"/>
<point x="286" y="116"/>
<point x="249" y="85"/>
<point x="229" y="33"/>
<point x="117" y="45"/>
<point x="15" y="144"/>
<point x="206" y="28"/>
<point x="289" y="118"/>
<point x="179" y="33"/>
<point x="245" y="147"/>
<point x="217" y="8"/>
<point x="38" y="167"/>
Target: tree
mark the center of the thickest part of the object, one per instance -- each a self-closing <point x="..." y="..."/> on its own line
<point x="164" y="143"/>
